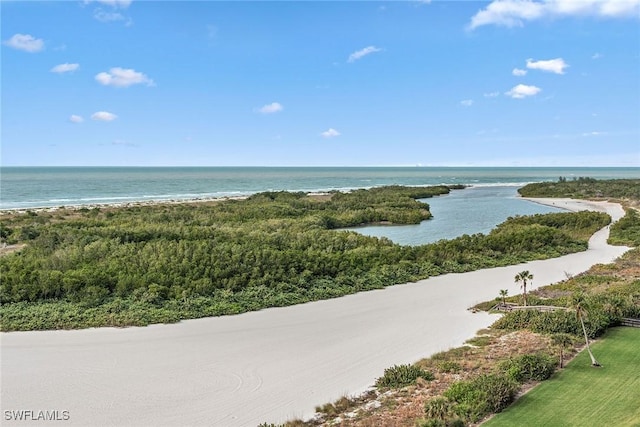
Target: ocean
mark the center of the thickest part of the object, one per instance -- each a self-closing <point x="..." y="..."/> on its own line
<point x="37" y="187"/>
<point x="490" y="199"/>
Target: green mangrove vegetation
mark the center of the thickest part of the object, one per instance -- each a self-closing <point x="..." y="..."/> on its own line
<point x="138" y="265"/>
<point x="626" y="231"/>
<point x="584" y="188"/>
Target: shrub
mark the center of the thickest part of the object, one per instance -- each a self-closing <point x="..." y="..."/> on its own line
<point x="482" y="395"/>
<point x="432" y="422"/>
<point x="441" y="422"/>
<point x="438" y="408"/>
<point x="480" y="341"/>
<point x="449" y="366"/>
<point x="399" y="376"/>
<point x="627" y="230"/>
<point x="333" y="409"/>
<point x="92" y="296"/>
<point x="529" y="367"/>
<point x="554" y="322"/>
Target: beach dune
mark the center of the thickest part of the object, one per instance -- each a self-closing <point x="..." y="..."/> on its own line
<point x="265" y="366"/>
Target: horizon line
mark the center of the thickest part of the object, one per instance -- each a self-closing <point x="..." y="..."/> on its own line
<point x="324" y="166"/>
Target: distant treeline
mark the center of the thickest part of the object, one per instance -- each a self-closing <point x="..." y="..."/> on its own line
<point x="584" y="188"/>
<point x="162" y="263"/>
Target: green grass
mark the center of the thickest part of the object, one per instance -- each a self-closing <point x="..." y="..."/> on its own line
<point x="581" y="395"/>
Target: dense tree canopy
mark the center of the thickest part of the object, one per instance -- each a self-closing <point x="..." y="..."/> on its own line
<point x="584" y="188"/>
<point x="142" y="264"/>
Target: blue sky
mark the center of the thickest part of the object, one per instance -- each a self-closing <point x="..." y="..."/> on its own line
<point x="300" y="83"/>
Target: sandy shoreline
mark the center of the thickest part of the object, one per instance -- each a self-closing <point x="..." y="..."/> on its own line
<point x="613" y="209"/>
<point x="137" y="203"/>
<point x="271" y="365"/>
<point x="115" y="205"/>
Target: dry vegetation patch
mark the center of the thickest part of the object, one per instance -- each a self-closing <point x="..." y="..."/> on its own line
<point x="7" y="249"/>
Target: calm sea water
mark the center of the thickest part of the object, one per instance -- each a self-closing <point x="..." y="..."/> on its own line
<point x="469" y="211"/>
<point x="491" y="198"/>
<point x="32" y="187"/>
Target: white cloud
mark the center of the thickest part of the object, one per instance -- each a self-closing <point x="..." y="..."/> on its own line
<point x="25" y="42"/>
<point x="511" y="13"/>
<point x="519" y="72"/>
<point x="522" y="91"/>
<point x="274" y="107"/>
<point x="595" y="133"/>
<point x="363" y="52"/>
<point x="64" y="68"/>
<point x="74" y="118"/>
<point x="104" y="16"/>
<point x="123" y="4"/>
<point x="466" y="102"/>
<point x="619" y="8"/>
<point x="103" y="116"/>
<point x="492" y="94"/>
<point x="552" y="65"/>
<point x="596" y="56"/>
<point x="330" y="133"/>
<point x="508" y="13"/>
<point x="122" y="77"/>
<point x="114" y="11"/>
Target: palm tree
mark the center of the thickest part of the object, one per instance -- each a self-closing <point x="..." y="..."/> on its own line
<point x="563" y="341"/>
<point x="523" y="276"/>
<point x="503" y="294"/>
<point x="579" y="302"/>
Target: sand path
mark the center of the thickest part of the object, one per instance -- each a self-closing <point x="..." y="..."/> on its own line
<point x="271" y="365"/>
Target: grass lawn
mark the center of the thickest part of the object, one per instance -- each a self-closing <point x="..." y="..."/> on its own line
<point x="580" y="395"/>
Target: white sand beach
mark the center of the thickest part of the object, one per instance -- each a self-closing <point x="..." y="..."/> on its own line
<point x="266" y="366"/>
